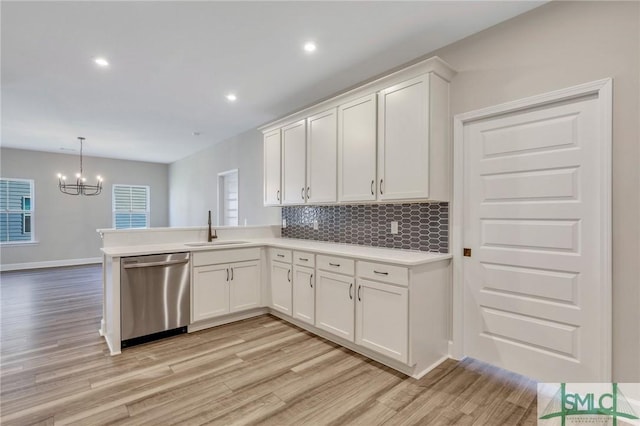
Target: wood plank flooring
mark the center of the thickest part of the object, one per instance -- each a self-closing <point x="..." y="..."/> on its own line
<point x="55" y="369"/>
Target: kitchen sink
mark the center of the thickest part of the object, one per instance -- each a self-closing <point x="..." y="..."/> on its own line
<point x="214" y="243"/>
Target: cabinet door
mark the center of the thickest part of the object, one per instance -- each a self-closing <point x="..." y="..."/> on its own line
<point x="322" y="149"/>
<point x="382" y="316"/>
<point x="403" y="140"/>
<point x="272" y="165"/>
<point x="281" y="287"/>
<point x="303" y="294"/>
<point x="294" y="159"/>
<point x="210" y="291"/>
<point x="244" y="285"/>
<point x="335" y="304"/>
<point x="357" y="150"/>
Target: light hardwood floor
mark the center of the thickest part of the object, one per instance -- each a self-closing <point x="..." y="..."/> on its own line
<point x="55" y="369"/>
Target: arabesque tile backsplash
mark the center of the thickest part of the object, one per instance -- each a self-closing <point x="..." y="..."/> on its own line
<point x="422" y="226"/>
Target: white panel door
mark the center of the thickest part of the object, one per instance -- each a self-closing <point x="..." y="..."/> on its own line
<point x="357" y="150"/>
<point x="322" y="157"/>
<point x="382" y="318"/>
<point x="335" y="304"/>
<point x="403" y="140"/>
<point x="303" y="294"/>
<point x="281" y="287"/>
<point x="272" y="166"/>
<point x="533" y="300"/>
<point x="294" y="159"/>
<point x="244" y="283"/>
<point x="210" y="291"/>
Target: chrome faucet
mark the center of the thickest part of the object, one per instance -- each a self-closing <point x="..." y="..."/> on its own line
<point x="211" y="235"/>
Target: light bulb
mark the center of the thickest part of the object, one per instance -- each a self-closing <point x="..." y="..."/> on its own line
<point x="84" y="179"/>
<point x="99" y="178"/>
<point x="310" y="47"/>
<point x="64" y="178"/>
<point x="78" y="175"/>
<point x="59" y="175"/>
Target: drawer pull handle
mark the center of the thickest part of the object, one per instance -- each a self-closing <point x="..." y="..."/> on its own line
<point x="304" y="259"/>
<point x="289" y="275"/>
<point x="380" y="273"/>
<point x="359" y="288"/>
<point x="302" y="193"/>
<point x="278" y="195"/>
<point x="227" y="274"/>
<point x="337" y="265"/>
<point x="311" y="281"/>
<point x="350" y="294"/>
<point x="231" y="274"/>
<point x="381" y="187"/>
<point x="372" y="183"/>
<point x="280" y="255"/>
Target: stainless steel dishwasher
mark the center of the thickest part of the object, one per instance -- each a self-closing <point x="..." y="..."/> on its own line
<point x="154" y="297"/>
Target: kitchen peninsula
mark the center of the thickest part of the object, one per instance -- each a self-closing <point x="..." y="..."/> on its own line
<point x="390" y="305"/>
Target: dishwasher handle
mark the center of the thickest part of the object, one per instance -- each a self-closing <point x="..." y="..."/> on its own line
<point x="149" y="264"/>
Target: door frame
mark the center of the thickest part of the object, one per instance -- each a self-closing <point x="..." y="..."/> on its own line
<point x="603" y="90"/>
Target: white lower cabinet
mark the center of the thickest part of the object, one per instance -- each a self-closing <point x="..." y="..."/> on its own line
<point x="221" y="289"/>
<point x="244" y="286"/>
<point x="281" y="287"/>
<point x="335" y="304"/>
<point x="210" y="292"/>
<point x="304" y="294"/>
<point x="382" y="318"/>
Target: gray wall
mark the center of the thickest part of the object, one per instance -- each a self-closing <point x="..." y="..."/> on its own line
<point x="193" y="187"/>
<point x="65" y="226"/>
<point x="558" y="45"/>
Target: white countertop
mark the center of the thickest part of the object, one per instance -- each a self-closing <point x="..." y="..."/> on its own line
<point x="378" y="254"/>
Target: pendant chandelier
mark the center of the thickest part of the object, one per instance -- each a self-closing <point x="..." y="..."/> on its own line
<point x="80" y="187"/>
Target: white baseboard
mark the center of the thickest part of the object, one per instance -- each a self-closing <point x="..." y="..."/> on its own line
<point x="50" y="264"/>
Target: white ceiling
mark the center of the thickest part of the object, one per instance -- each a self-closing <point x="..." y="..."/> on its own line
<point x="173" y="62"/>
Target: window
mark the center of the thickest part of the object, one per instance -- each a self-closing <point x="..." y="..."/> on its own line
<point x="130" y="206"/>
<point x="228" y="197"/>
<point x="16" y="210"/>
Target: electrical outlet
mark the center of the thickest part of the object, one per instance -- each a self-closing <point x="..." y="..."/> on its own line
<point x="315" y="224"/>
<point x="394" y="227"/>
<point x="284" y="223"/>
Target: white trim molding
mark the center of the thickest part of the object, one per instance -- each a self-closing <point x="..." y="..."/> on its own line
<point x="50" y="264"/>
<point x="603" y="90"/>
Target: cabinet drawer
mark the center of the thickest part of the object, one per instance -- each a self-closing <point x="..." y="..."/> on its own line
<point x="280" y="255"/>
<point x="214" y="257"/>
<point x="381" y="272"/>
<point x="304" y="259"/>
<point x="336" y="264"/>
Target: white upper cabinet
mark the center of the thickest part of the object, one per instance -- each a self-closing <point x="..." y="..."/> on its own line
<point x="322" y="157"/>
<point x="272" y="165"/>
<point x="357" y="150"/>
<point x="403" y="140"/>
<point x="413" y="145"/>
<point x="392" y="142"/>
<point x="294" y="163"/>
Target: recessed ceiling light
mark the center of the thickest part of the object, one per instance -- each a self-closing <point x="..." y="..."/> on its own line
<point x="231" y="97"/>
<point x="310" y="47"/>
<point x="102" y="62"/>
